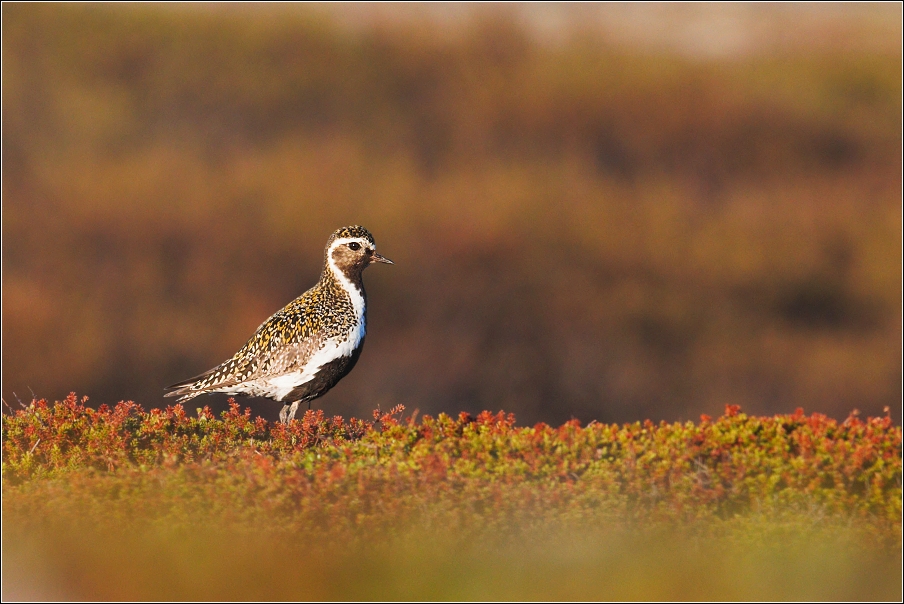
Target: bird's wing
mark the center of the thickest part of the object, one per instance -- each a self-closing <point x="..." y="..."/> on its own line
<point x="281" y="343"/>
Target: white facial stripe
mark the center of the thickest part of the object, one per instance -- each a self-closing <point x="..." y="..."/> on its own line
<point x="347" y="240"/>
<point x="353" y="292"/>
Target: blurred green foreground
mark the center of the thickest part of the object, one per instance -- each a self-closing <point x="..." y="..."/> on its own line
<point x="200" y="558"/>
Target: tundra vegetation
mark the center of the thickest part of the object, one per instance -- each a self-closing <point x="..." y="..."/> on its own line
<point x="123" y="503"/>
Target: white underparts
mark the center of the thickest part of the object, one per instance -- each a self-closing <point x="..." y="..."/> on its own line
<point x="353" y="292"/>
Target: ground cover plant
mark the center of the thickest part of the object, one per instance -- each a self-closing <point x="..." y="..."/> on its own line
<point x="126" y="503"/>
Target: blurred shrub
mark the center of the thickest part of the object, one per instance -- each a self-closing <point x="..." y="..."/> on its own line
<point x="579" y="229"/>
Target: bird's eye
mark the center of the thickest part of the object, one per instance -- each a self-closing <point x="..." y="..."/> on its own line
<point x="354" y="246"/>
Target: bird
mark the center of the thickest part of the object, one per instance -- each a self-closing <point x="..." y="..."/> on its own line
<point x="305" y="348"/>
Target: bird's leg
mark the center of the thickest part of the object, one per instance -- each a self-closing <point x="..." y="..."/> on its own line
<point x="293" y="409"/>
<point x="283" y="414"/>
<point x="309" y="404"/>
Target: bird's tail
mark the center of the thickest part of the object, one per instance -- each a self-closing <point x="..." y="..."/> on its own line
<point x="184" y="394"/>
<point x="190" y="388"/>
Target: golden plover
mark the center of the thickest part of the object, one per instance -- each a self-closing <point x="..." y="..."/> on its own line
<point x="304" y="349"/>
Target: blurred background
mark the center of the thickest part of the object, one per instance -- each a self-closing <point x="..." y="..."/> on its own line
<point x="610" y="212"/>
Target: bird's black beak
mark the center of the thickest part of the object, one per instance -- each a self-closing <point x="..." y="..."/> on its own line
<point x="378" y="258"/>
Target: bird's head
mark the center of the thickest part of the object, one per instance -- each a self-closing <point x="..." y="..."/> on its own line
<point x="351" y="249"/>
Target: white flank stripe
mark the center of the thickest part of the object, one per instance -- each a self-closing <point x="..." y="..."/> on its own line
<point x="353" y="292"/>
<point x="282" y="385"/>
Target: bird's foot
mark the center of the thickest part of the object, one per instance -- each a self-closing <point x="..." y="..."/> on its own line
<point x="292" y="410"/>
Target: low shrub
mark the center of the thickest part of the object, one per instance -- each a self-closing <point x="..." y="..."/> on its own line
<point x="393" y="466"/>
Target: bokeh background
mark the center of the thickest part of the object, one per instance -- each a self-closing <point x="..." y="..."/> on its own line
<point x="610" y="212"/>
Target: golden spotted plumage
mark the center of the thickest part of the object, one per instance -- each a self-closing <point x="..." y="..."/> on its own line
<point x="307" y="346"/>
